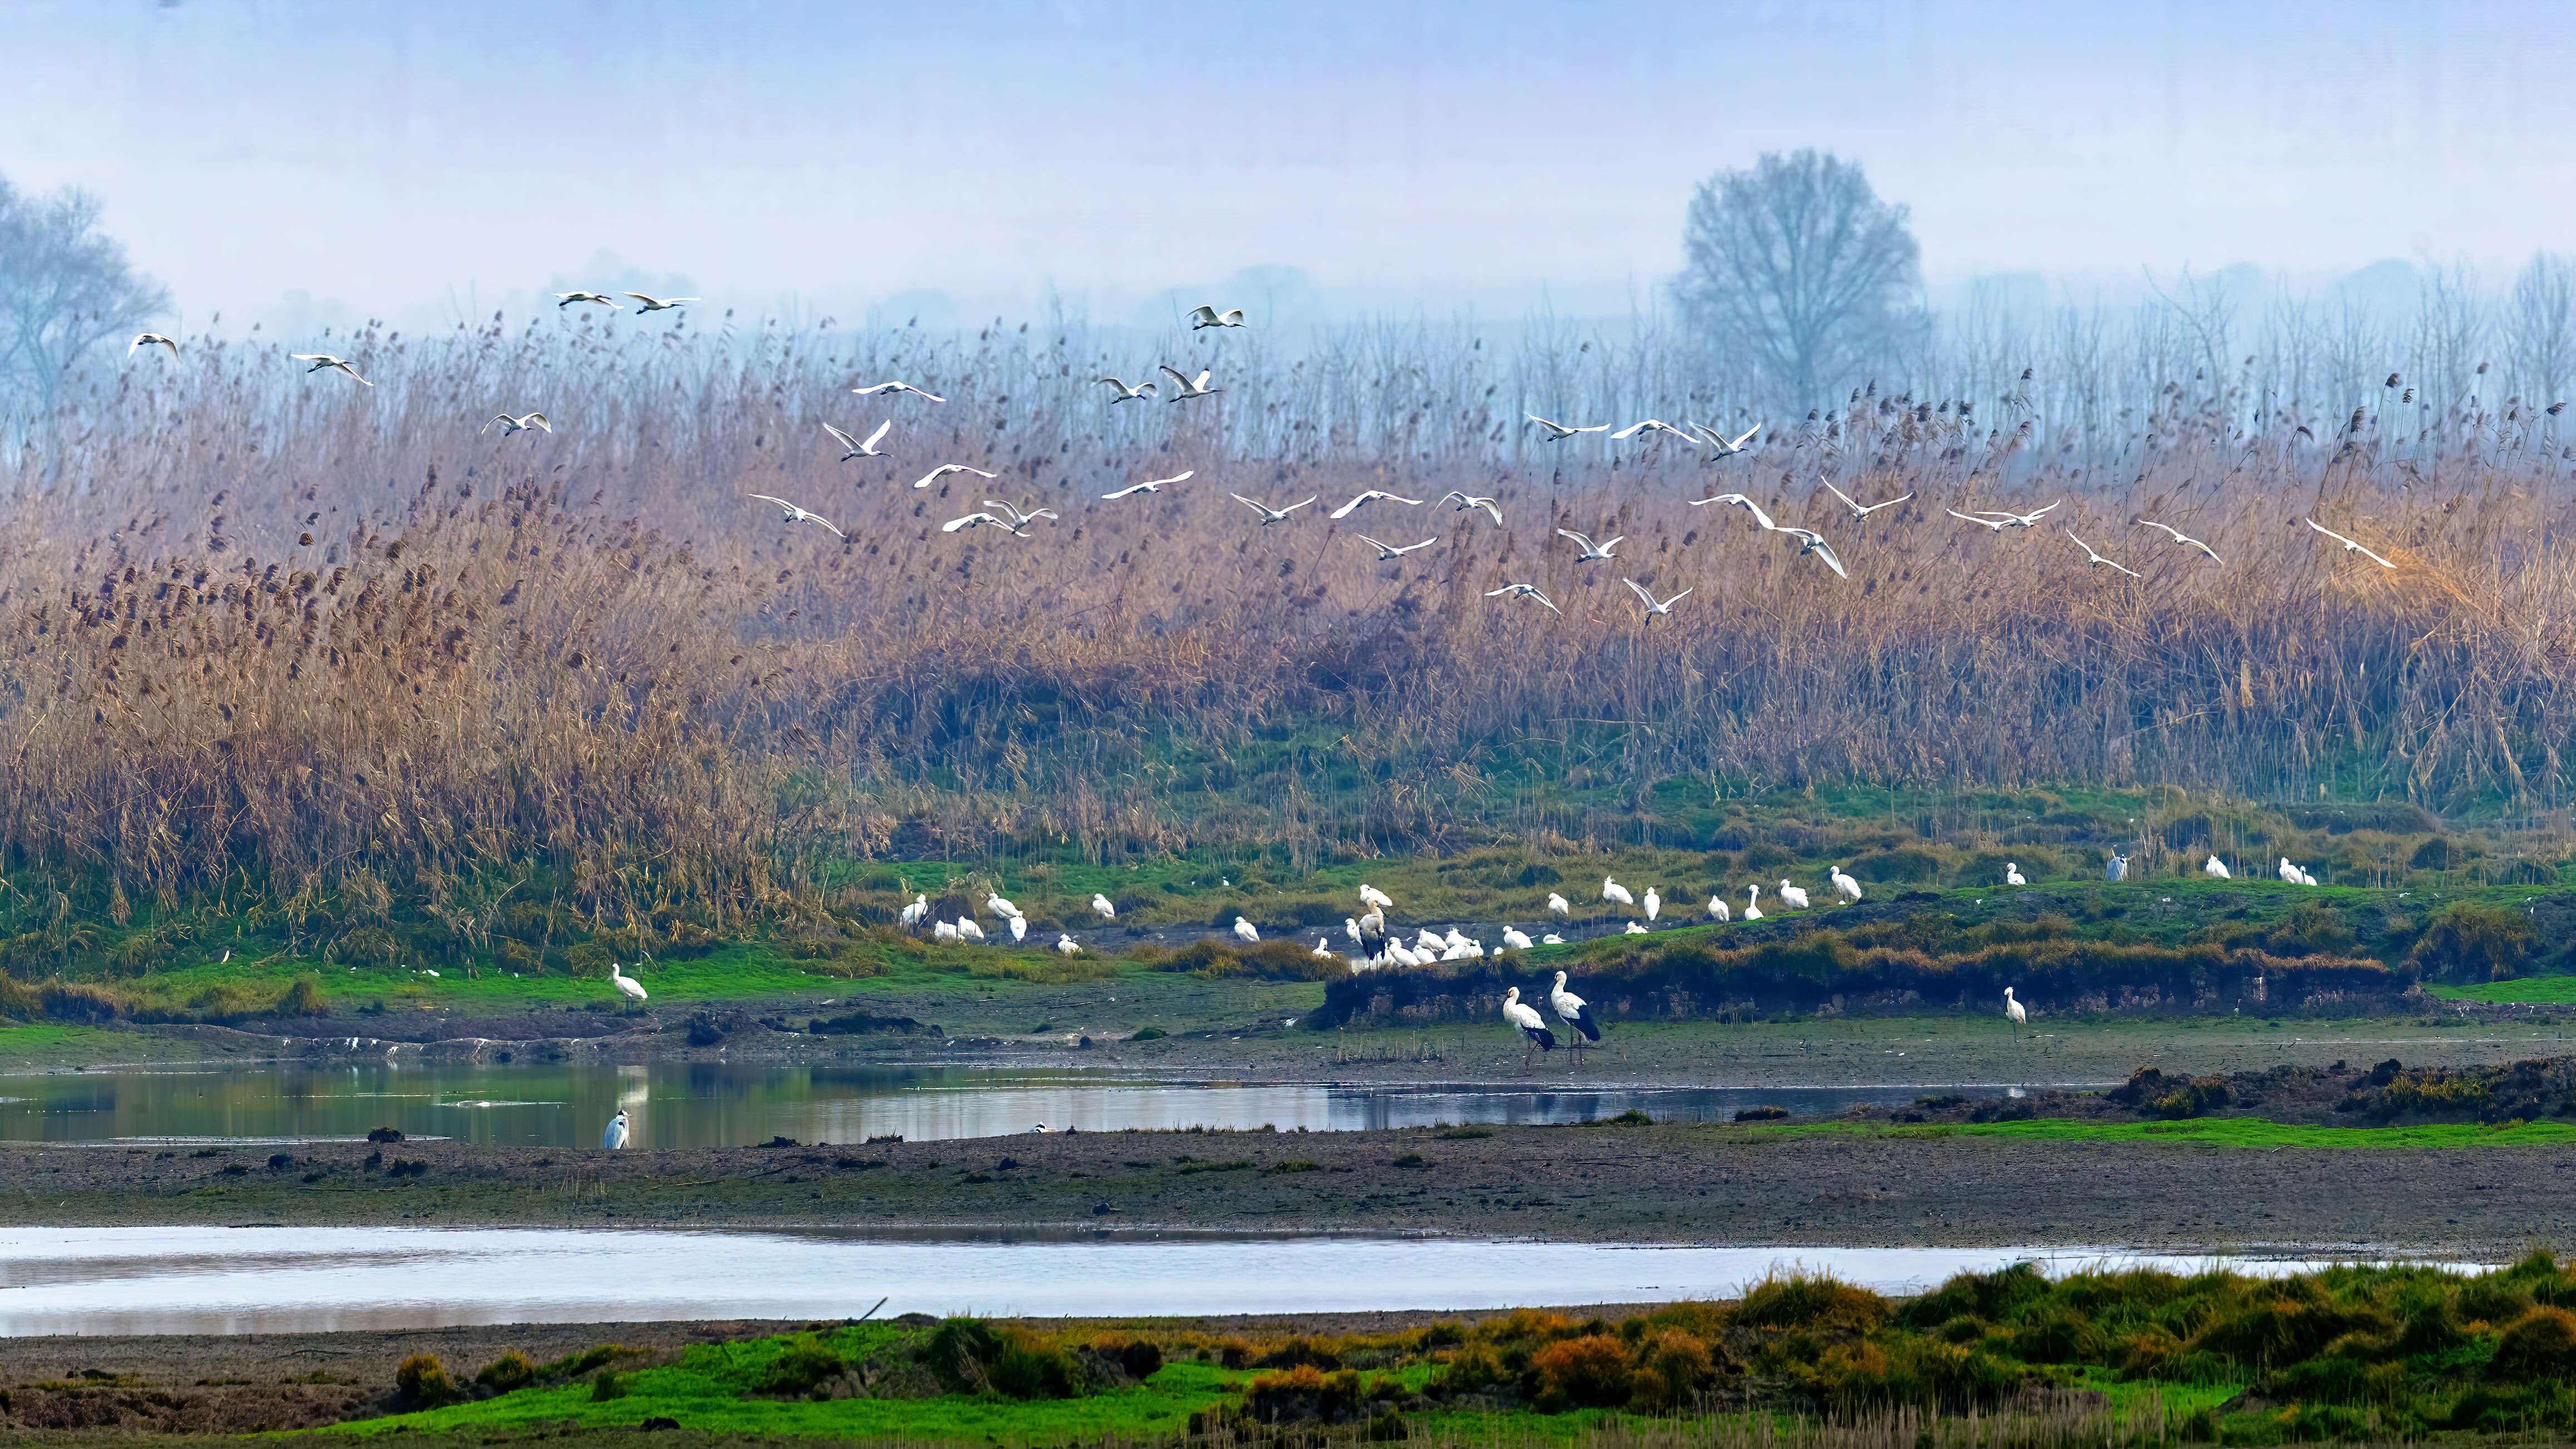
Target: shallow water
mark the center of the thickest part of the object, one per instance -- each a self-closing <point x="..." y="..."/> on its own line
<point x="717" y="1104"/>
<point x="276" y="1280"/>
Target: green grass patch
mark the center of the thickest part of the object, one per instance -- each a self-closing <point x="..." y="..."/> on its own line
<point x="2535" y="990"/>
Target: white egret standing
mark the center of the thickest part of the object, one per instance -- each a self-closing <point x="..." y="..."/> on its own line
<point x="1717" y="906"/>
<point x="1611" y="890"/>
<point x="1654" y="904"/>
<point x="1557" y="905"/>
<point x="1796" y="896"/>
<point x="2014" y="1010"/>
<point x="627" y="986"/>
<point x="2215" y="868"/>
<point x="1103" y="907"/>
<point x="1516" y="938"/>
<point x="1532" y="1026"/>
<point x="967" y="930"/>
<point x="1752" y="896"/>
<point x="1245" y="931"/>
<point x="1845" y="888"/>
<point x="1371" y="896"/>
<point x="2117" y="870"/>
<point x="2012" y="873"/>
<point x="913" y="913"/>
<point x="614" y="1137"/>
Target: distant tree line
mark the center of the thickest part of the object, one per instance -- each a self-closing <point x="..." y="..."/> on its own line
<point x="65" y="287"/>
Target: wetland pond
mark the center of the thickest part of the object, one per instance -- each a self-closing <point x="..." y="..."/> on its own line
<point x="278" y="1280"/>
<point x="720" y="1104"/>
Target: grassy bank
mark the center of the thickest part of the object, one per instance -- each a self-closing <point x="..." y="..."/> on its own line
<point x="2349" y="1352"/>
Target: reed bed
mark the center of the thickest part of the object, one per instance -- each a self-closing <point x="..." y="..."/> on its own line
<point x="284" y="640"/>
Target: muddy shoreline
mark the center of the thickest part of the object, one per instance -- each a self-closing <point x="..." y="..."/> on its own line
<point x="1598" y="1183"/>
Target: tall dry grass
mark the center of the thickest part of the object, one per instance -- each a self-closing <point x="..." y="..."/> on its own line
<point x="291" y="639"/>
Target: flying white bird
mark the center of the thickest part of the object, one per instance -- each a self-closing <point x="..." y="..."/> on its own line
<point x="1575" y="1012"/>
<point x="1371" y="896"/>
<point x="1557" y="905"/>
<point x="1103" y="907"/>
<point x="566" y="299"/>
<point x="1796" y="896"/>
<point x="1654" y="904"/>
<point x="1016" y="521"/>
<point x="2214" y="868"/>
<point x="2014" y="1009"/>
<point x="2012" y="874"/>
<point x="1245" y="931"/>
<point x="1525" y="591"/>
<point x="1747" y="504"/>
<point x="627" y="986"/>
<point x="2097" y="560"/>
<point x="1845" y="888"/>
<point x="1371" y="496"/>
<point x="321" y="360"/>
<point x="1154" y="485"/>
<point x="1812" y="542"/>
<point x="2349" y="546"/>
<point x="2180" y="538"/>
<point x="1532" y="1025"/>
<point x="795" y="514"/>
<point x="1725" y="447"/>
<point x="898" y="385"/>
<point x="1190" y="388"/>
<point x="853" y="448"/>
<point x="1384" y="552"/>
<point x="1752" y="894"/>
<point x="151" y="339"/>
<point x="1650" y="425"/>
<point x="1653" y="608"/>
<point x="658" y="304"/>
<point x="1591" y="550"/>
<point x="532" y="423"/>
<point x="1469" y="500"/>
<point x="1611" y="890"/>
<point x="1269" y="515"/>
<point x="1126" y="393"/>
<point x="977" y="520"/>
<point x="1559" y="432"/>
<point x="1861" y="510"/>
<point x="1999" y="519"/>
<point x="615" y="1136"/>
<point x="944" y="469"/>
<point x="1211" y="317"/>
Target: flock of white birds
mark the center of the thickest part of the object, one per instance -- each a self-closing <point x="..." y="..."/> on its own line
<point x="1018" y="520"/>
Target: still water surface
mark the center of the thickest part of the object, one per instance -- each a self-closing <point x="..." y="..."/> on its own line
<point x="276" y="1280"/>
<point x="717" y="1104"/>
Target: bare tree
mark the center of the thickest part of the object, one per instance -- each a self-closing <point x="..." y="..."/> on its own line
<point x="1796" y="266"/>
<point x="65" y="287"/>
<point x="2541" y="319"/>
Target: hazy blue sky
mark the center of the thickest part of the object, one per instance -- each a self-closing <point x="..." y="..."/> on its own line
<point x="415" y="160"/>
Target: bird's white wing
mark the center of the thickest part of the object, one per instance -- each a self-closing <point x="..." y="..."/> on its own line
<point x="1822" y="550"/>
<point x="1490" y="507"/>
<point x="1261" y="508"/>
<point x="1972" y="518"/>
<point x="1845" y="497"/>
<point x="1174" y="373"/>
<point x="827" y="524"/>
<point x="1183" y="476"/>
<point x="969" y="521"/>
<point x="1633" y="429"/>
<point x="1345" y="510"/>
<point x="1640" y="593"/>
<point x="1614" y="543"/>
<point x="842" y="438"/>
<point x="1121" y="493"/>
<point x="766" y="498"/>
<point x="1677" y="598"/>
<point x="1753" y="508"/>
<point x="1407" y="502"/>
<point x="872" y="390"/>
<point x="1542" y="598"/>
<point x="1891" y="503"/>
<point x="978" y="472"/>
<point x="1737" y="445"/>
<point x="1426" y="543"/>
<point x="1293" y="507"/>
<point x="879" y="435"/>
<point x="1204" y="316"/>
<point x="1578" y="538"/>
<point x="2169" y="528"/>
<point x="934" y="475"/>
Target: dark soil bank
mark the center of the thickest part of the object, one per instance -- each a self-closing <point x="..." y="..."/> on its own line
<point x="1603" y="1183"/>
